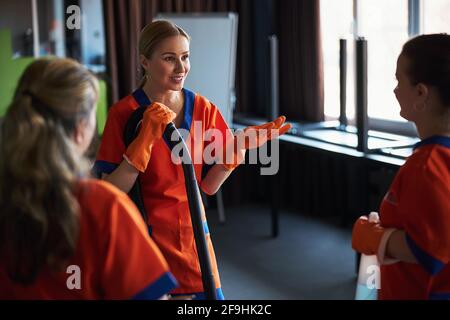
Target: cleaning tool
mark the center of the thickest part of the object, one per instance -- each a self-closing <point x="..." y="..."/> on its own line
<point x="369" y="272"/>
<point x="173" y="137"/>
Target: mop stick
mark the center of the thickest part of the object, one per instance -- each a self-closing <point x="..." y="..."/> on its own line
<point x="196" y="210"/>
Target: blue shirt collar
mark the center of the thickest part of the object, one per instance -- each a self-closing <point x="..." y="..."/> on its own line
<point x="440" y="140"/>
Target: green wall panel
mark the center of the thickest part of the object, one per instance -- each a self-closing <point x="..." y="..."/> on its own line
<point x="11" y="70"/>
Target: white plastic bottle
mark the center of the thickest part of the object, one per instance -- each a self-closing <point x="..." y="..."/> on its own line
<point x="369" y="273"/>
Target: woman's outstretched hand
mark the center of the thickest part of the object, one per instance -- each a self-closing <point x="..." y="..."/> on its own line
<point x="256" y="136"/>
<point x="251" y="138"/>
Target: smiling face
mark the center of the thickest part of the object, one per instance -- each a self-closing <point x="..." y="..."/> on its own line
<point x="168" y="66"/>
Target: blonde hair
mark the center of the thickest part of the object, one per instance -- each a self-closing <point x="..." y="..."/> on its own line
<point x="153" y="34"/>
<point x="39" y="214"/>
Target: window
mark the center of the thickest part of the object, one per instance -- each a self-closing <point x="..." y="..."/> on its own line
<point x="336" y="18"/>
<point x="60" y="35"/>
<point x="436" y="16"/>
<point x="51" y="28"/>
<point x="40" y="28"/>
<point x="33" y="28"/>
<point x="386" y="25"/>
<point x="92" y="35"/>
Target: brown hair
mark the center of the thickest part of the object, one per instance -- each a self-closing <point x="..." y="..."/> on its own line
<point x="152" y="35"/>
<point x="39" y="166"/>
<point x="429" y="62"/>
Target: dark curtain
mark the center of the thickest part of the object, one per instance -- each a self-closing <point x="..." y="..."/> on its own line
<point x="301" y="65"/>
<point x="124" y="19"/>
<point x="262" y="26"/>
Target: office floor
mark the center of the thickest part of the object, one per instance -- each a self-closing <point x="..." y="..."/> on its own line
<point x="311" y="258"/>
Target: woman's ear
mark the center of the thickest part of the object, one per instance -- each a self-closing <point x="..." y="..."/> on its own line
<point x="422" y="93"/>
<point x="79" y="132"/>
<point x="144" y="61"/>
<point x="83" y="134"/>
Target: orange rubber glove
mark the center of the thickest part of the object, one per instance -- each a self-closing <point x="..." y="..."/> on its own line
<point x="154" y="122"/>
<point x="366" y="236"/>
<point x="253" y="137"/>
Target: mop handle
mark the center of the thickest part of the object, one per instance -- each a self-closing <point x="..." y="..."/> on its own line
<point x="173" y="137"/>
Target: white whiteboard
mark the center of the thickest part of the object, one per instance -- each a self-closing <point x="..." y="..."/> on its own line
<point x="212" y="56"/>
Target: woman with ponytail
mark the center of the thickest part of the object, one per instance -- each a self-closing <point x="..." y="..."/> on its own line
<point x="164" y="55"/>
<point x="63" y="235"/>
